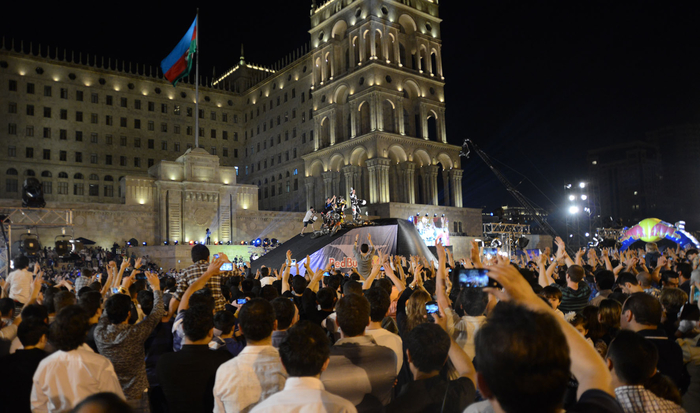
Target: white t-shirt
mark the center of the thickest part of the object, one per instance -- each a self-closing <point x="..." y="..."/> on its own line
<point x="308" y="216"/>
<point x="386" y="338"/>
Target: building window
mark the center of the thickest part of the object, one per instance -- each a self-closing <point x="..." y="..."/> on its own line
<point x="110" y="100"/>
<point x="176" y="109"/>
<point x="29" y="132"/>
<point x="108" y="139"/>
<point x="137" y="104"/>
<point x="78" y="136"/>
<point x="151" y="106"/>
<point x="235" y="136"/>
<point x="122" y="122"/>
<point x="30" y="110"/>
<point x="151" y="144"/>
<point x="11" y="185"/>
<point x="47" y="187"/>
<point x="63" y="156"/>
<point x="151" y="162"/>
<point x="93" y="137"/>
<point x="78" y="157"/>
<point x="12" y="129"/>
<point x="122" y="161"/>
<point x="164" y="145"/>
<point x="109" y="120"/>
<point x="163" y="127"/>
<point x="62" y="188"/>
<point x="93" y="190"/>
<point x="12" y="86"/>
<point x="11" y="151"/>
<point x="137" y="142"/>
<point x="137" y="123"/>
<point x="213" y="134"/>
<point x="151" y="125"/>
<point x="12" y="107"/>
<point x="93" y="158"/>
<point x="224" y="117"/>
<point x="235" y="118"/>
<point x="163" y="108"/>
<point x="30" y="88"/>
<point x="201" y="132"/>
<point x="62" y="134"/>
<point x="189" y="112"/>
<point x="47" y="91"/>
<point x="201" y="114"/>
<point x="224" y="135"/>
<point x="94" y="98"/>
<point x="137" y="162"/>
<point x="189" y="130"/>
<point x="78" y="189"/>
<point x="213" y="115"/>
<point x="109" y="191"/>
<point x="225" y="152"/>
<point x="94" y="118"/>
<point x="79" y="95"/>
<point x="303" y="97"/>
<point x="213" y="150"/>
<point x="303" y="117"/>
<point x="176" y="146"/>
<point x="122" y="102"/>
<point x="108" y="159"/>
<point x="64" y="93"/>
<point x="122" y="141"/>
<point x="29" y="152"/>
<point x="78" y="116"/>
<point x="176" y="129"/>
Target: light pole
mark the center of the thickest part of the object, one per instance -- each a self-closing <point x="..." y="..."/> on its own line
<point x="578" y="222"/>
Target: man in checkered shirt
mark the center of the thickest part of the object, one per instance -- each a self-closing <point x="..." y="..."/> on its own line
<point x="200" y="257"/>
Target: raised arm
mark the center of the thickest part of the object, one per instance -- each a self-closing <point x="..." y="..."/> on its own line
<point x="545" y="278"/>
<point x="398" y="283"/>
<point x="460" y="360"/>
<point x="285" y="276"/>
<point x="373" y="274"/>
<point x="440" y="279"/>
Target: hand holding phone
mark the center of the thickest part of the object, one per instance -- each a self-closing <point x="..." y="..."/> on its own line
<point x="475" y="278"/>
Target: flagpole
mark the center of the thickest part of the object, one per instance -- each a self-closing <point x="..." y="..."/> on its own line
<point x="196" y="85"/>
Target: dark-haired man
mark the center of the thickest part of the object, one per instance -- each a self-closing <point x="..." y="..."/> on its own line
<point x="187" y="376"/>
<point x="18" y="284"/>
<point x="123" y="343"/>
<point x="526" y="354"/>
<point x="18" y="368"/>
<point x="363" y="255"/>
<point x="74" y="372"/>
<point x="574" y="295"/>
<point x="304" y="354"/>
<point x="200" y="259"/>
<point x="641" y="313"/>
<point x="604" y="281"/>
<point x="359" y="370"/>
<point x="379" y="303"/>
<point x="256" y="373"/>
<point x="473" y="302"/>
<point x="632" y="361"/>
<point x="286" y="314"/>
<point x="428" y="347"/>
<point x="84" y="279"/>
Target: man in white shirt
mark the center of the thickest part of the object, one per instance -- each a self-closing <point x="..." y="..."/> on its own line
<point x="309" y="218"/>
<point x="305" y="354"/>
<point x="256" y="373"/>
<point x="74" y="372"/>
<point x="379" y="302"/>
<point x="19" y="282"/>
<point x="473" y="302"/>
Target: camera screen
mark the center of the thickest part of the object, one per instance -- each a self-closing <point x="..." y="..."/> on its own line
<point x="474" y="277"/>
<point x="432" y="308"/>
<point x="227" y="266"/>
<point x="241" y="301"/>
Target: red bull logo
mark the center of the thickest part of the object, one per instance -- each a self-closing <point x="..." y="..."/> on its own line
<point x="651" y="230"/>
<point x="346" y="262"/>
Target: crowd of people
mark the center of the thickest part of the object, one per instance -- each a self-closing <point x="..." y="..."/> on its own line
<point x="599" y="331"/>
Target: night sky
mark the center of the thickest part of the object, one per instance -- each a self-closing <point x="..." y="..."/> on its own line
<point x="535" y="84"/>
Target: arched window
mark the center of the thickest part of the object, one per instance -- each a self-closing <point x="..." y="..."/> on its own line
<point x="63" y="175"/>
<point x="46" y="174"/>
<point x="94" y="177"/>
<point x="78" y="176"/>
<point x="109" y="178"/>
<point x="11" y="171"/>
<point x="29" y="172"/>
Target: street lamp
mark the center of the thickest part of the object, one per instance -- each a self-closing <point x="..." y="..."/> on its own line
<point x="582" y="185"/>
<point x="573" y="209"/>
<point x="572" y="197"/>
<point x="584" y="197"/>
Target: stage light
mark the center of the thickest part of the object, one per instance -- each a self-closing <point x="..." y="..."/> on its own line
<point x="266" y="242"/>
<point x="133" y="242"/>
<point x="582" y="185"/>
<point x="242" y="242"/>
<point x="228" y="242"/>
<point x="588" y="235"/>
<point x="63" y="246"/>
<point x="175" y="242"/>
<point x="584" y="197"/>
<point x="522" y="242"/>
<point x="32" y="194"/>
<point x="573" y="209"/>
<point x="165" y="242"/>
<point x="572" y="197"/>
<point x="257" y="242"/>
<point x="29" y="244"/>
<point x="191" y="242"/>
<point x="145" y="244"/>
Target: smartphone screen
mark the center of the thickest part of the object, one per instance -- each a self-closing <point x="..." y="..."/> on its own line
<point x="115" y="290"/>
<point x="227" y="266"/>
<point x="241" y="301"/>
<point x="294" y="261"/>
<point x="381" y="268"/>
<point x="216" y="256"/>
<point x="326" y="274"/>
<point x="431" y="307"/>
<point x="475" y="278"/>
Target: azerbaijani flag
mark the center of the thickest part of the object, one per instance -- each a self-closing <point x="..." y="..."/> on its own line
<point x="179" y="62"/>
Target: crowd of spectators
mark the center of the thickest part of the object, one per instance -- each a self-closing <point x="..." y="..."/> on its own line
<point x="599" y="331"/>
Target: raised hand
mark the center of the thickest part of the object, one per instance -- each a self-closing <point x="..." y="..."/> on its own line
<point x="153" y="280"/>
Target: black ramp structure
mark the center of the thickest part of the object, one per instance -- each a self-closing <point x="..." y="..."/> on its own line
<point x="389" y="235"/>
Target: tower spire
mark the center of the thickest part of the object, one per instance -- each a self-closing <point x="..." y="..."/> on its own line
<point x="242" y="62"/>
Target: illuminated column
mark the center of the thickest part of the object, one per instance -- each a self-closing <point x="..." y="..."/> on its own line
<point x="353" y="119"/>
<point x="441" y="125"/>
<point x="438" y="59"/>
<point x="418" y="51"/>
<point x="397" y="52"/>
<point x="410" y="181"/>
<point x="424" y="121"/>
<point x="456" y="186"/>
<point x="349" y="172"/>
<point x="319" y="134"/>
<point x="372" y="44"/>
<point x="309" y="192"/>
<point x="373" y="112"/>
<point x="361" y="40"/>
<point x="399" y="116"/>
<point x="328" y="183"/>
<point x="382" y="171"/>
<point x="332" y="126"/>
<point x="446" y="188"/>
<point x="373" y="190"/>
<point x="380" y="114"/>
<point x="357" y="178"/>
<point x="336" y="183"/>
<point x="429" y="174"/>
<point x="332" y="61"/>
<point x="428" y="60"/>
<point x="351" y="53"/>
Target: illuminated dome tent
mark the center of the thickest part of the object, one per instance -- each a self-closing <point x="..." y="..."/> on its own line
<point x="653" y="230"/>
